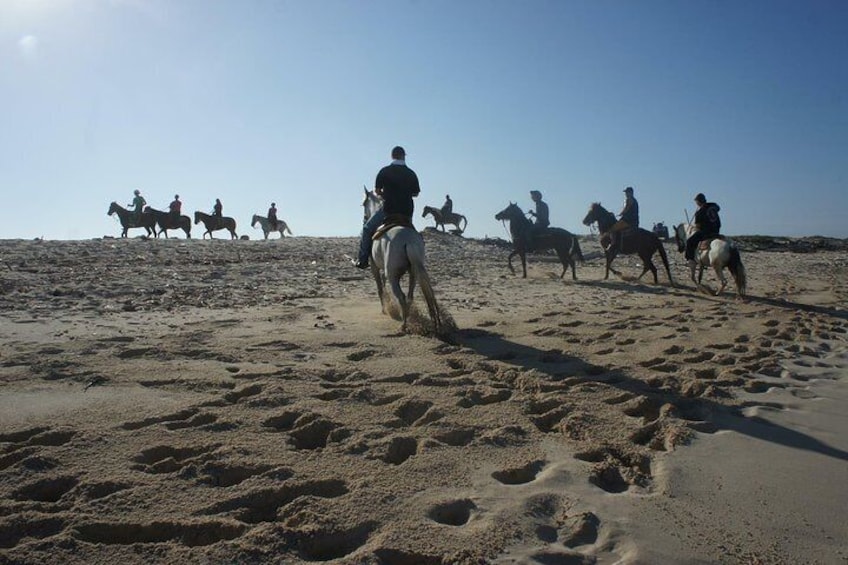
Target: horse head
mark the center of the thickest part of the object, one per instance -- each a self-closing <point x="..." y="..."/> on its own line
<point x="371" y="203"/>
<point x="197" y="216"/>
<point x="592" y="215"/>
<point x="511" y="212"/>
<point x="114" y="207"/>
<point x="682" y="232"/>
<point x="254" y="220"/>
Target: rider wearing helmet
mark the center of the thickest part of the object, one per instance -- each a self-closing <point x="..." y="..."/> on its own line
<point x="138" y="203"/>
<point x="707" y="224"/>
<point x="629" y="217"/>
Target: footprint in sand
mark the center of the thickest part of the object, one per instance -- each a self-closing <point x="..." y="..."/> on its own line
<point x="452" y="513"/>
<point x="520" y="475"/>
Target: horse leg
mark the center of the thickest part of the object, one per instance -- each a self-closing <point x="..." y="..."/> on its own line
<point x="411" y="289"/>
<point x="523" y="264"/>
<point x="719" y="271"/>
<point x="509" y="261"/>
<point x="394" y="284"/>
<point x="375" y="272"/>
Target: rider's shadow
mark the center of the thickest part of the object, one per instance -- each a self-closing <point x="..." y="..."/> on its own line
<point x="558" y="366"/>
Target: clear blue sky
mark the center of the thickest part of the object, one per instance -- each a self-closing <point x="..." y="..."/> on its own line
<point x="300" y="102"/>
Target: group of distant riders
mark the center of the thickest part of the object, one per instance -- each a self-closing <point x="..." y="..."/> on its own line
<point x="707" y="222"/>
<point x="397" y="184"/>
<point x="175" y="209"/>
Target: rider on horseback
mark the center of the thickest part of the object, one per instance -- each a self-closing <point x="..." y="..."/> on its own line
<point x="397" y="184"/>
<point x="541" y="214"/>
<point x="139" y="203"/>
<point x="707" y="224"/>
<point x="272" y="216"/>
<point x="447" y="207"/>
<point x="218" y="213"/>
<point x="629" y="218"/>
<point x="175" y="209"/>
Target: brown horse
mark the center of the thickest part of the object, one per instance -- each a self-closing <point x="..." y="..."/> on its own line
<point x="128" y="219"/>
<point x="214" y="223"/>
<point x="641" y="242"/>
<point x="565" y="244"/>
<point x="167" y="222"/>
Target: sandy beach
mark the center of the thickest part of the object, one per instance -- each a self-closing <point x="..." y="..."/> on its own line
<point x="188" y="401"/>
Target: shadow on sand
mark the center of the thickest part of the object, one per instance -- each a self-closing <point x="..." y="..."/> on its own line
<point x="715" y="416"/>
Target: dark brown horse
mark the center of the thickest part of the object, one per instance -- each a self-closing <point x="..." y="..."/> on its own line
<point x="214" y="223"/>
<point x="128" y="219"/>
<point x="523" y="240"/>
<point x="167" y="222"/>
<point x="641" y="242"/>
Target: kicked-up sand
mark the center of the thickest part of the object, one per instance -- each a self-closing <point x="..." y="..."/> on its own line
<point x="188" y="401"/>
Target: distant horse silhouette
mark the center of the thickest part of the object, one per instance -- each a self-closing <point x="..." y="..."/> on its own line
<point x="641" y="241"/>
<point x="267" y="229"/>
<point x="213" y="223"/>
<point x="441" y="219"/>
<point x="128" y="219"/>
<point x="166" y="222"/>
<point x="720" y="253"/>
<point x="562" y="241"/>
<point x="395" y="252"/>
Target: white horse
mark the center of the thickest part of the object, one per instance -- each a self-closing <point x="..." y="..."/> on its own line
<point x="721" y="253"/>
<point x="265" y="223"/>
<point x="400" y="250"/>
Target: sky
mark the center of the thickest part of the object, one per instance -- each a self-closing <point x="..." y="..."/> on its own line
<point x="300" y="102"/>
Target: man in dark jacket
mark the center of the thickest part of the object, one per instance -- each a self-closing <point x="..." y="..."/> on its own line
<point x="541" y="213"/>
<point x="707" y="224"/>
<point x="629" y="217"/>
<point x="397" y="184"/>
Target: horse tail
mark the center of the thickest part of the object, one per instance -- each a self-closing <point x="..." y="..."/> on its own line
<point x="415" y="255"/>
<point x="664" y="258"/>
<point x="575" y="249"/>
<point x="737" y="269"/>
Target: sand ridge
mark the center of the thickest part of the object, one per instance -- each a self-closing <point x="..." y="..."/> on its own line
<point x="190" y="401"/>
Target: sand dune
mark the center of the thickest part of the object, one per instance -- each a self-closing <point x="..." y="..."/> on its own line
<point x="243" y="402"/>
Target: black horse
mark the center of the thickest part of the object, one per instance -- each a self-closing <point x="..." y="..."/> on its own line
<point x="128" y="219"/>
<point x="214" y="223"/>
<point x="642" y="242"/>
<point x="167" y="222"/>
<point x="523" y="240"/>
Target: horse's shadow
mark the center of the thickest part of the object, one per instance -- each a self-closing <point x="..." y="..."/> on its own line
<point x="625" y="286"/>
<point x="842" y="313"/>
<point x="557" y="366"/>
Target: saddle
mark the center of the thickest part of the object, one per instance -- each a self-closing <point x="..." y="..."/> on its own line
<point x="704" y="244"/>
<point x="392" y="221"/>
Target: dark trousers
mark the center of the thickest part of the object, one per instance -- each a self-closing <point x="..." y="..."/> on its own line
<point x="368" y="231"/>
<point x="692" y="244"/>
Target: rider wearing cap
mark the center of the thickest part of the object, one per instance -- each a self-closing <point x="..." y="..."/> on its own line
<point x="541" y="213"/>
<point x="139" y="203"/>
<point x="629" y="217"/>
<point x="707" y="224"/>
<point x="397" y="184"/>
